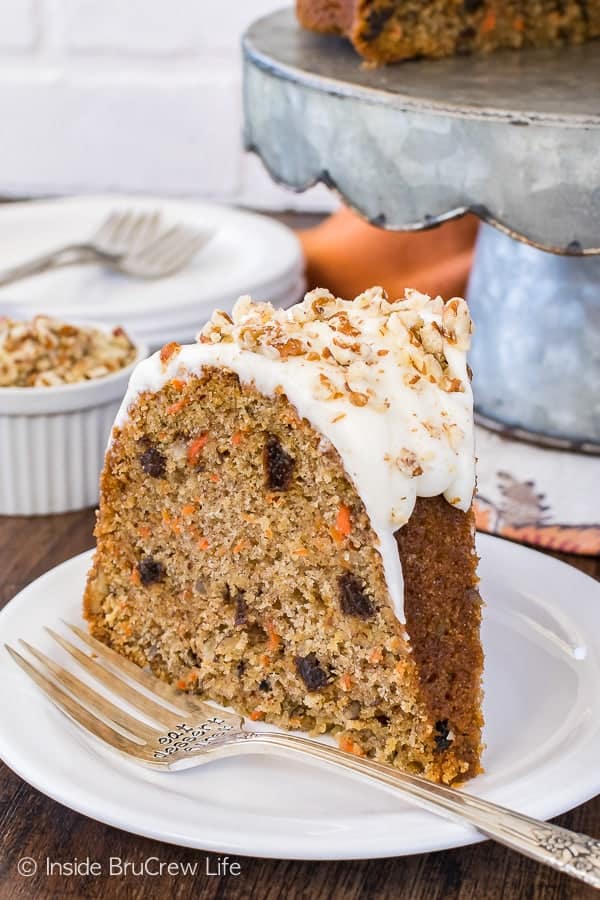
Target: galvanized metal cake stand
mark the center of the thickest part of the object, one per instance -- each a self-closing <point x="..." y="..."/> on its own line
<point x="514" y="138"/>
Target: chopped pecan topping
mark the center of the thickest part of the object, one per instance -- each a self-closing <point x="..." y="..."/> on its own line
<point x="45" y="352"/>
<point x="168" y="351"/>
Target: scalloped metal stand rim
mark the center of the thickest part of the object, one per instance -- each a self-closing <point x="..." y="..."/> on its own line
<point x="453" y="136"/>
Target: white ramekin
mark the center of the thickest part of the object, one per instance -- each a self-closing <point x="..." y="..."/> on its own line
<point x="53" y="440"/>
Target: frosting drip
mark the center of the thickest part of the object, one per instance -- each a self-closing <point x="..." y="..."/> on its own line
<point x="386" y="382"/>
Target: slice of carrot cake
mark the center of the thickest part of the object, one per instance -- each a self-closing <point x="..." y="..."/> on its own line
<point x="285" y="524"/>
<point x="384" y="31"/>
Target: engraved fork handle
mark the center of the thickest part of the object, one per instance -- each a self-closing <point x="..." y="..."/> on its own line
<point x="71" y="254"/>
<point x="574" y="854"/>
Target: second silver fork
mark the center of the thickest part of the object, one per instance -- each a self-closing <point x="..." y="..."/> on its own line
<point x="134" y="243"/>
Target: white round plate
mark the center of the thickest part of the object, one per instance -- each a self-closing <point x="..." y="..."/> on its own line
<point x="248" y="254"/>
<point x="542" y="640"/>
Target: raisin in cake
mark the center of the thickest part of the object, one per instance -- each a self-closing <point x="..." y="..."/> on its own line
<point x="384" y="31"/>
<point x="285" y="524"/>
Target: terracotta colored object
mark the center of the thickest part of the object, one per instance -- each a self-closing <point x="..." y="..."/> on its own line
<point x="347" y="255"/>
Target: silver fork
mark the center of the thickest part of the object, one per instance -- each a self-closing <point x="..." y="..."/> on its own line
<point x="136" y="244"/>
<point x="178" y="731"/>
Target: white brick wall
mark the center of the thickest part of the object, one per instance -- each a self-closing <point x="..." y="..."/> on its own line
<point x="138" y="95"/>
<point x="18" y="25"/>
<point x="133" y="27"/>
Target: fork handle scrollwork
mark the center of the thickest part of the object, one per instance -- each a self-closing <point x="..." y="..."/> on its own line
<point x="567" y="851"/>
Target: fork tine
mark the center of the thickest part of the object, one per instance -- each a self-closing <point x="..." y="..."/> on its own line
<point x="129" y="236"/>
<point x="79" y="713"/>
<point x="179" y="257"/>
<point x="145" y="231"/>
<point x="105" y="233"/>
<point x="187" y="251"/>
<point x="95" y="702"/>
<point x="185" y="703"/>
<point x="121" y="688"/>
<point x="142" y="247"/>
<point x="162" y="244"/>
<point x="134" y="237"/>
<point x="122" y="227"/>
<point x="166" y="254"/>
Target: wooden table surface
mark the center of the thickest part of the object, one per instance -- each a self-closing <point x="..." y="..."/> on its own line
<point x="33" y="826"/>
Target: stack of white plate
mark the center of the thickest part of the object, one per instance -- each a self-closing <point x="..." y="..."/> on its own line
<point x="248" y="254"/>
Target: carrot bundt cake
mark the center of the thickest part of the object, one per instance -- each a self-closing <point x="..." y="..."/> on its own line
<point x="285" y="524"/>
<point x="384" y="31"/>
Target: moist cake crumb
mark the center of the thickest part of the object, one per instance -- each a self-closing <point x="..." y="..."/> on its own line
<point x="237" y="555"/>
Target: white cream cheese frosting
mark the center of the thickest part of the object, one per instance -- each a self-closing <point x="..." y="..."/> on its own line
<point x="386" y="382"/>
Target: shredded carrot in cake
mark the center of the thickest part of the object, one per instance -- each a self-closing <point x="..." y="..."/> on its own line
<point x="274" y="638"/>
<point x="257" y="716"/>
<point x="178" y="383"/>
<point x="196" y="447"/>
<point x="214" y="477"/>
<point x="376" y="655"/>
<point x="170" y="521"/>
<point x="346" y="681"/>
<point x="135" y="577"/>
<point x="349" y="746"/>
<point x="236" y="438"/>
<point x="343" y="524"/>
<point x="188" y="510"/>
<point x="203" y="544"/>
<point x="489" y="23"/>
<point x="178" y="406"/>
